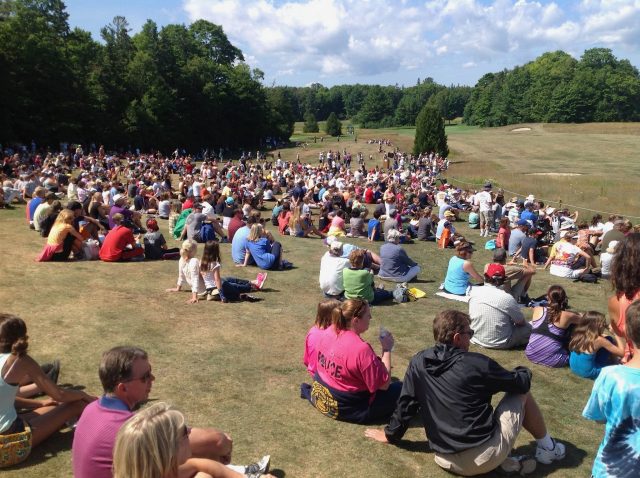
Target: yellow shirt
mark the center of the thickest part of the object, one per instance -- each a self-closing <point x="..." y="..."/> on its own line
<point x="58" y="234"/>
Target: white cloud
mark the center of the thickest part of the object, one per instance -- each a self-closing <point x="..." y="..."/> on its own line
<point x="355" y="40"/>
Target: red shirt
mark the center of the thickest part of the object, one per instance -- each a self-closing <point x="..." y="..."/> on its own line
<point x="188" y="204"/>
<point x="115" y="243"/>
<point x="368" y="196"/>
<point x="234" y="225"/>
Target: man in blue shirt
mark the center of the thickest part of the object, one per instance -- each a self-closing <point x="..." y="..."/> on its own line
<point x="239" y="242"/>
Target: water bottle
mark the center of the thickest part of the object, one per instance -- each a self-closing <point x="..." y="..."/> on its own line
<point x="383" y="333"/>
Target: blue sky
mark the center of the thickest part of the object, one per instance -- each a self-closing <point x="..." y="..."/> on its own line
<point x="299" y="42"/>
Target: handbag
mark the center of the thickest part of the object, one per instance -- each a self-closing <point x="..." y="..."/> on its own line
<point x="91" y="250"/>
<point x="15" y="448"/>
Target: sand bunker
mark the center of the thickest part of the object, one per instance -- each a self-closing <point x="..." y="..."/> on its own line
<point x="518" y="130"/>
<point x="554" y="174"/>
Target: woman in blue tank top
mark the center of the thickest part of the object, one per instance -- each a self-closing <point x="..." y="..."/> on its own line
<point x="460" y="270"/>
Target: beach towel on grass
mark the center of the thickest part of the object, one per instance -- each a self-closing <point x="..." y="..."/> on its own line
<point x="459" y="298"/>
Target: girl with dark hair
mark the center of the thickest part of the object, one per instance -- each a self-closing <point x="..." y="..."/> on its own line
<point x="625" y="277"/>
<point x="20" y="432"/>
<point x="351" y="382"/>
<point x="551" y="330"/>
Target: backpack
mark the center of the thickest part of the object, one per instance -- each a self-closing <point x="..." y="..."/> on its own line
<point x="401" y="294"/>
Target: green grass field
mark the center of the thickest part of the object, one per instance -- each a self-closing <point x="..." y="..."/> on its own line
<point x="238" y="366"/>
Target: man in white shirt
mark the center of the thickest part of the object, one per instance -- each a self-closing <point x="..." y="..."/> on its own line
<point x="496" y="318"/>
<point x="484" y="202"/>
<point x="331" y="267"/>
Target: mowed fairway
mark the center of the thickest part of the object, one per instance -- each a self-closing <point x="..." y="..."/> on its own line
<point x="591" y="166"/>
<point x="238" y="366"/>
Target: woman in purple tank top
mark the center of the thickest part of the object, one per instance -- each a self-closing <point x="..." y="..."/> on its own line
<point x="551" y="330"/>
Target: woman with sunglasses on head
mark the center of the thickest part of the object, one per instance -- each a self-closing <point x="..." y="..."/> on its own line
<point x="461" y="270"/>
<point x="351" y="382"/>
<point x="39" y="419"/>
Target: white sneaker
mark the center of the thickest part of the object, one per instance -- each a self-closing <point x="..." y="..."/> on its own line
<point x="259" y="468"/>
<point x="545" y="456"/>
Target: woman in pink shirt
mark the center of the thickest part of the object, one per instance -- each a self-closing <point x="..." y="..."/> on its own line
<point x="504" y="233"/>
<point x="351" y="382"/>
<point x="324" y="317"/>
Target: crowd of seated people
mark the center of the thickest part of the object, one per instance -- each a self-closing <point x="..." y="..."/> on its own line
<point x="100" y="199"/>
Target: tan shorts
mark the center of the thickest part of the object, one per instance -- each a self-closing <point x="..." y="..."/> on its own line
<point x="491" y="454"/>
<point x="486" y="217"/>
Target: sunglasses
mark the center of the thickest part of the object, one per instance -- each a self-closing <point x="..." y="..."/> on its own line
<point x="147" y="377"/>
<point x="186" y="431"/>
<point x="469" y="332"/>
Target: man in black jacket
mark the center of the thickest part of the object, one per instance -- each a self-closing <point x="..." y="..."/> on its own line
<point x="451" y="389"/>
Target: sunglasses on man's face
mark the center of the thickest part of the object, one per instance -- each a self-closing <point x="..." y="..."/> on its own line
<point x="148" y="376"/>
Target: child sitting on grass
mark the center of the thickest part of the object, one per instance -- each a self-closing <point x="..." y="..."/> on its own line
<point x="590" y="349"/>
<point x="228" y="288"/>
<point x="155" y="245"/>
<point x="615" y="401"/>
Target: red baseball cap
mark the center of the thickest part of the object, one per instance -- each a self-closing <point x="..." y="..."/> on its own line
<point x="496" y="270"/>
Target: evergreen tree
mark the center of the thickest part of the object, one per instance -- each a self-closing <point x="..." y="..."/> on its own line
<point x="430" y="134"/>
<point x="334" y="125"/>
<point x="310" y="124"/>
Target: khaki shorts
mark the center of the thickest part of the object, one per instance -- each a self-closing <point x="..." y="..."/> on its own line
<point x="491" y="454"/>
<point x="486" y="217"/>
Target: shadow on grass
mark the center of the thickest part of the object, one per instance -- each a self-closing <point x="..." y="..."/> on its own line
<point x="269" y="289"/>
<point x="71" y="386"/>
<point x="278" y="473"/>
<point x="573" y="459"/>
<point x="414" y="446"/>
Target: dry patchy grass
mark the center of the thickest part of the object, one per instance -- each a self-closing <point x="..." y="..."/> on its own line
<point x="238" y="366"/>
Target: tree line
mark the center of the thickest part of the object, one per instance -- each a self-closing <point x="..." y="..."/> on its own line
<point x="162" y="87"/>
<point x="189" y="86"/>
<point x="375" y="106"/>
<point x="557" y="88"/>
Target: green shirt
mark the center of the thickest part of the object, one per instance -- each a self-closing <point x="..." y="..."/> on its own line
<point x="358" y="284"/>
